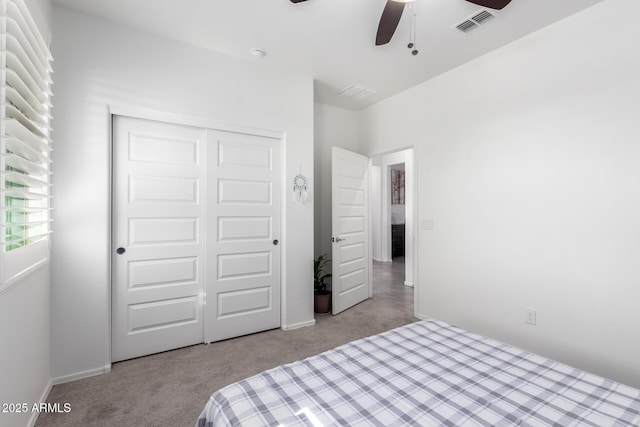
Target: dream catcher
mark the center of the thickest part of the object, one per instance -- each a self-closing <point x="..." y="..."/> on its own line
<point x="300" y="188"/>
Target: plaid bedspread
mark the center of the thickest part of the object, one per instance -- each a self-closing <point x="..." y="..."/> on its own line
<point x="426" y="373"/>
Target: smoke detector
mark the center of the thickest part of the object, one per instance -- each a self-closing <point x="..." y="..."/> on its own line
<point x="257" y="54"/>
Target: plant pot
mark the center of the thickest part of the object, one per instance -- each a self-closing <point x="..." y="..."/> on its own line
<point x="322" y="303"/>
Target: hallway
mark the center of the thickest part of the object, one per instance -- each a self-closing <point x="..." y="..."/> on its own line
<point x="388" y="284"/>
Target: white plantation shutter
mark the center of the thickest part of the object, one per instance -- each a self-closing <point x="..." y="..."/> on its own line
<point x="25" y="144"/>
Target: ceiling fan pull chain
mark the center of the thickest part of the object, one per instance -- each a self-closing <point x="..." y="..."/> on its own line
<point x="412" y="29"/>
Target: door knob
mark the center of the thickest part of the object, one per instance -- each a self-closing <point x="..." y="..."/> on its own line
<point x="120" y="250"/>
<point x="275" y="242"/>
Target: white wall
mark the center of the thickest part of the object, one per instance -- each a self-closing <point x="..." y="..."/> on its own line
<point x="397" y="214"/>
<point x="527" y="164"/>
<point x="333" y="127"/>
<point x="24" y="319"/>
<point x="24" y="343"/>
<point x="100" y="64"/>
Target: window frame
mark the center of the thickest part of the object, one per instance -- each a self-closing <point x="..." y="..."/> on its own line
<point x="25" y="144"/>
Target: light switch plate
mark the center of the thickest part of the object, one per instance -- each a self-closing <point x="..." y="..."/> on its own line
<point x="426" y="224"/>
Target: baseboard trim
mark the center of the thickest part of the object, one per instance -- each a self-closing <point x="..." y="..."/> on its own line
<point x="43" y="398"/>
<point x="299" y="325"/>
<point x="409" y="284"/>
<point x="82" y="375"/>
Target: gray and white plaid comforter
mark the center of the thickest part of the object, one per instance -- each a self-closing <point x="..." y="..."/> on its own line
<point x="427" y="373"/>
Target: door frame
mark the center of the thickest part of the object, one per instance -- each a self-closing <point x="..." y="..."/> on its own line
<point x="411" y="212"/>
<point x="187" y="120"/>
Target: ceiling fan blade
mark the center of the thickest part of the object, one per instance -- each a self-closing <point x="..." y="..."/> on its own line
<point x="492" y="4"/>
<point x="389" y="21"/>
<point x="297" y="1"/>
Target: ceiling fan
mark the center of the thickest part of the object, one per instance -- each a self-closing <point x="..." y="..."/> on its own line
<point x="392" y="13"/>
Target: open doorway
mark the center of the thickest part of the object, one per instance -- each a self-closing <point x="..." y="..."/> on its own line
<point x="392" y="212"/>
<point x="348" y="222"/>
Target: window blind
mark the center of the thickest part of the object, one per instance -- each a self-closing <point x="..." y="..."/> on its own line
<point x="25" y="144"/>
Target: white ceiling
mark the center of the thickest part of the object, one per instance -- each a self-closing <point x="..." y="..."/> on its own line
<point x="333" y="40"/>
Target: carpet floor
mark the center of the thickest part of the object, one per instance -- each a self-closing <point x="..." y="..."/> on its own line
<point x="172" y="388"/>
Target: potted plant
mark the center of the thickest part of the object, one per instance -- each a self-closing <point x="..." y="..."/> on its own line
<point x="321" y="291"/>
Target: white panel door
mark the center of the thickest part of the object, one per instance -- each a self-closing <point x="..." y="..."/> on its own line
<point x="243" y="229"/>
<point x="350" y="229"/>
<point x="158" y="211"/>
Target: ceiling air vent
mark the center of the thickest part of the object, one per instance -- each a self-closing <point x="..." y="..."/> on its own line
<point x="466" y="26"/>
<point x="481" y="17"/>
<point x="478" y="18"/>
<point x="357" y="92"/>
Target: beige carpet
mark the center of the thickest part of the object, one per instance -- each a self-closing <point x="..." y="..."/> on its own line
<point x="171" y="388"/>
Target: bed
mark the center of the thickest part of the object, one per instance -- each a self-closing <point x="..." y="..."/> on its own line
<point x="427" y="373"/>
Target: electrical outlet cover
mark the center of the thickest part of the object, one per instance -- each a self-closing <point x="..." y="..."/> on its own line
<point x="530" y="316"/>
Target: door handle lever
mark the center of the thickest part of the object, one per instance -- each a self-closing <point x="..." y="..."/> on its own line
<point x="337" y="239"/>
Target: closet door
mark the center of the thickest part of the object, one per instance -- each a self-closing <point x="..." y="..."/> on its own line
<point x="243" y="233"/>
<point x="157" y="261"/>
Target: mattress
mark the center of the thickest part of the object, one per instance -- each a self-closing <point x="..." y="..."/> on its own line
<point x="427" y="373"/>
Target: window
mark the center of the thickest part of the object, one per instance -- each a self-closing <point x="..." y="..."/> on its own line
<point x="25" y="145"/>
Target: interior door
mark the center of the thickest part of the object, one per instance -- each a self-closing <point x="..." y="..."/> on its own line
<point x="350" y="229"/>
<point x="157" y="292"/>
<point x="243" y="229"/>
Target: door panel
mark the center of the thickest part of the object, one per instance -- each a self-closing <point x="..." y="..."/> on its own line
<point x="160" y="314"/>
<point x="161" y="190"/>
<point x="157" y="294"/>
<point x="174" y="230"/>
<point x="239" y="228"/>
<point x="243" y="222"/>
<point x="350" y="219"/>
<point x="250" y="193"/>
<point x="161" y="272"/>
